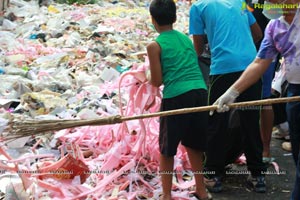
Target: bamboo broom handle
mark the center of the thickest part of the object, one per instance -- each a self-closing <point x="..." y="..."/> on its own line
<point x="29" y="127"/>
<point x="214" y="107"/>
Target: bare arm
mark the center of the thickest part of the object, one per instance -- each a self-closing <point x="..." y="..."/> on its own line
<point x="252" y="74"/>
<point x="153" y="51"/>
<point x="256" y="32"/>
<point x="198" y="41"/>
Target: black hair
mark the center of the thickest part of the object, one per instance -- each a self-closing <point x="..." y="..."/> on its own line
<point x="163" y="11"/>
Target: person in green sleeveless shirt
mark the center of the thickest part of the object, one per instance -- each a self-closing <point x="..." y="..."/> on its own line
<point x="174" y="66"/>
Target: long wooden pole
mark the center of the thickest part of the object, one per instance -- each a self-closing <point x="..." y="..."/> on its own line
<point x="242" y="105"/>
<point x="30" y="127"/>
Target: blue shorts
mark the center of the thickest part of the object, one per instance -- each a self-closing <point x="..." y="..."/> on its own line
<point x="267" y="80"/>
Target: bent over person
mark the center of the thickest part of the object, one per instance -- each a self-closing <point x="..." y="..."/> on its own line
<point x="281" y="36"/>
<point x="231" y="32"/>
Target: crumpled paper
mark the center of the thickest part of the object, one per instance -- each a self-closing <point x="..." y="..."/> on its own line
<point x="63" y="61"/>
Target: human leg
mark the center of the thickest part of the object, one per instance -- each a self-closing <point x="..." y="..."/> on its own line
<point x="293" y="115"/>
<point x="216" y="154"/>
<point x="168" y="143"/>
<point x="194" y="126"/>
<point x="190" y="129"/>
<point x="249" y="117"/>
<point x="196" y="160"/>
<point x="217" y="130"/>
<point x="296" y="190"/>
<point x="266" y="127"/>
<point x="267" y="114"/>
<point x="166" y="169"/>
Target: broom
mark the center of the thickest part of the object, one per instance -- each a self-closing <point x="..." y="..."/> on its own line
<point x="17" y="128"/>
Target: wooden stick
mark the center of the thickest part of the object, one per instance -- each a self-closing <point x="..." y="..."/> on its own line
<point x="31" y="127"/>
<point x="242" y="105"/>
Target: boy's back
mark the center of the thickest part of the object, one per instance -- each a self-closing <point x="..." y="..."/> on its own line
<point x="173" y="63"/>
<point x="180" y="69"/>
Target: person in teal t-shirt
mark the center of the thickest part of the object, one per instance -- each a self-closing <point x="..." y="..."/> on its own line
<point x="174" y="64"/>
<point x="231" y="30"/>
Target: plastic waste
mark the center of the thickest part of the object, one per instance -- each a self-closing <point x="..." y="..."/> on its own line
<point x="2" y="71"/>
<point x="18" y="143"/>
<point x="3" y="124"/>
<point x="74" y="39"/>
<point x="8" y="25"/>
<point x="53" y="9"/>
<point x="109" y="74"/>
<point x="15" y="71"/>
<point x="122" y="69"/>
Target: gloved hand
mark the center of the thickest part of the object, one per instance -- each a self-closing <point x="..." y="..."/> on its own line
<point x="148" y="74"/>
<point x="223" y="101"/>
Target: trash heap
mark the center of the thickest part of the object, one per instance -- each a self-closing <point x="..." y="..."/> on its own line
<point x="60" y="61"/>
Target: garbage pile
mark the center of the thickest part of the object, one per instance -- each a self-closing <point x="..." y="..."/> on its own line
<point x="60" y="61"/>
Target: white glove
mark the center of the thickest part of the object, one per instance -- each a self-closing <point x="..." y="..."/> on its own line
<point x="223" y="101"/>
<point x="148" y="75"/>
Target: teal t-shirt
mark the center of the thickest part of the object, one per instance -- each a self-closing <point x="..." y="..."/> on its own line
<point x="180" y="69"/>
<point x="227" y="26"/>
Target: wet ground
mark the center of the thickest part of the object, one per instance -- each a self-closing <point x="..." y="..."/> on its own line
<point x="279" y="187"/>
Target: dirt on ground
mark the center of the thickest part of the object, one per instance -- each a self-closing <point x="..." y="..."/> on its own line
<point x="279" y="186"/>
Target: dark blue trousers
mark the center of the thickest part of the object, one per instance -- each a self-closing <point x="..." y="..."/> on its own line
<point x="293" y="115"/>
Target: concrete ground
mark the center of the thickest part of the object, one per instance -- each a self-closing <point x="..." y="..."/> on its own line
<point x="279" y="187"/>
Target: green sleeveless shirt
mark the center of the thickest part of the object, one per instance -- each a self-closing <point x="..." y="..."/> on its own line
<point x="180" y="69"/>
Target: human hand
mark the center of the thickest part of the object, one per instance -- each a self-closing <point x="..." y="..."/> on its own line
<point x="223" y="101"/>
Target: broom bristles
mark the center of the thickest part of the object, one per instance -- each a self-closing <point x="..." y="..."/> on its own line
<point x="18" y="128"/>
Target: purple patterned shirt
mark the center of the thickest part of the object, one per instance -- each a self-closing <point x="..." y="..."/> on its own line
<point x="281" y="37"/>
